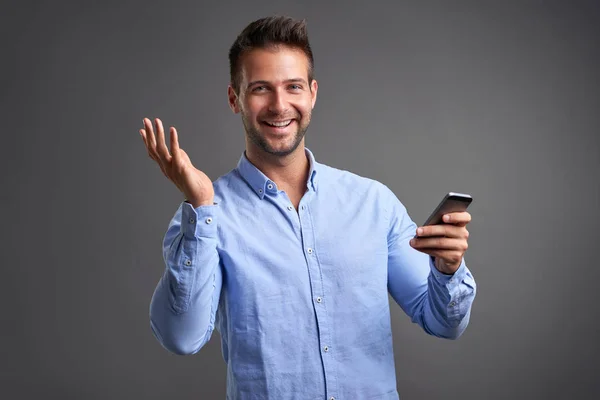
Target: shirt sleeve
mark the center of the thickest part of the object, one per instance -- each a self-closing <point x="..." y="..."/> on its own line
<point x="439" y="303"/>
<point x="184" y="303"/>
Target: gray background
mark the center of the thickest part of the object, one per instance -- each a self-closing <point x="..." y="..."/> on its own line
<point x="497" y="99"/>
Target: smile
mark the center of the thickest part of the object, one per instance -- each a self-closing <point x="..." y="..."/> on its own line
<point x="278" y="124"/>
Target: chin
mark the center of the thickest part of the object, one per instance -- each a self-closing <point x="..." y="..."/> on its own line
<point x="278" y="148"/>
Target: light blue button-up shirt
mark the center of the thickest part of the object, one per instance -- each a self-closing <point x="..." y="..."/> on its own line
<point x="300" y="297"/>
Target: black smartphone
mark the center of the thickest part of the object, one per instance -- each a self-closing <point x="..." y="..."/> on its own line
<point x="452" y="202"/>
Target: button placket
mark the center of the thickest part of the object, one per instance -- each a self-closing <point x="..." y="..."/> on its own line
<point x="323" y="320"/>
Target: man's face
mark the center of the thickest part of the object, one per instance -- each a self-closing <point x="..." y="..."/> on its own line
<point x="275" y="98"/>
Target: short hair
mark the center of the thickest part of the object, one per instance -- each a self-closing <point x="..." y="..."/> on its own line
<point x="265" y="33"/>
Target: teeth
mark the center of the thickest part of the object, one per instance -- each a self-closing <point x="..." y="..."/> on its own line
<point x="279" y="124"/>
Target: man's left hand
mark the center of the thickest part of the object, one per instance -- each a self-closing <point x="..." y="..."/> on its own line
<point x="445" y="242"/>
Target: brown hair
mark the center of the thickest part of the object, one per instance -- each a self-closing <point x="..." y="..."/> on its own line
<point x="269" y="32"/>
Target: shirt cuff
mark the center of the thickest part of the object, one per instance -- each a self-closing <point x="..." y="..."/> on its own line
<point x="445" y="279"/>
<point x="200" y="222"/>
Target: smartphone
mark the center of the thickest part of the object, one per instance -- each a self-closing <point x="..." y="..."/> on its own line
<point x="452" y="202"/>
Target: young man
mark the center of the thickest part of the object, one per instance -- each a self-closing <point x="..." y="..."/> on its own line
<point x="292" y="260"/>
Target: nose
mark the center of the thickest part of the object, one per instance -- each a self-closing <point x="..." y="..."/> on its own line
<point x="278" y="103"/>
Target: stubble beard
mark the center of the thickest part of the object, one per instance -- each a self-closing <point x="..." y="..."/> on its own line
<point x="258" y="139"/>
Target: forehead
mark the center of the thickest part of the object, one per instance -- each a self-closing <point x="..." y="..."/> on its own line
<point x="274" y="64"/>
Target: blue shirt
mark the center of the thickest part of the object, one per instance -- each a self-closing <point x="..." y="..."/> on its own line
<point x="300" y="297"/>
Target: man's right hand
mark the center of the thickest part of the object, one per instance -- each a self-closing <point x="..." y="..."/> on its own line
<point x="176" y="165"/>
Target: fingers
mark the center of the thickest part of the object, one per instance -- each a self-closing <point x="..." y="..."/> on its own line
<point x="147" y="141"/>
<point x="150" y="140"/>
<point x="458" y="218"/>
<point x="174" y="143"/>
<point x="147" y="135"/>
<point x="157" y="147"/>
<point x="161" y="146"/>
<point x="448" y="252"/>
<point x="440" y="243"/>
<point x="447" y="241"/>
<point x="446" y="230"/>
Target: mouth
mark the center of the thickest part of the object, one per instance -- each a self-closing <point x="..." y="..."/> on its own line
<point x="278" y="124"/>
<point x="278" y="127"/>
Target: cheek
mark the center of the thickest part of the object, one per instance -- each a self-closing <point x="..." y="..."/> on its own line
<point x="254" y="109"/>
<point x="307" y="109"/>
<point x="303" y="107"/>
<point x="248" y="114"/>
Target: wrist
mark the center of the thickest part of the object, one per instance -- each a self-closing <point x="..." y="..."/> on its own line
<point x="443" y="267"/>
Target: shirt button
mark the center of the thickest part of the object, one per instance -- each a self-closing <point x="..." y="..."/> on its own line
<point x="270" y="186"/>
<point x="290" y="208"/>
<point x="208" y="220"/>
<point x="326" y="348"/>
<point x="309" y="250"/>
<point x="188" y="262"/>
<point x="303" y="207"/>
<point x="259" y="190"/>
<point x="319" y="299"/>
<point x="452" y="303"/>
<point x="192" y="220"/>
<point x="332" y="398"/>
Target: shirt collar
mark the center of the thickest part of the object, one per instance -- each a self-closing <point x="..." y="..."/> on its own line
<point x="261" y="184"/>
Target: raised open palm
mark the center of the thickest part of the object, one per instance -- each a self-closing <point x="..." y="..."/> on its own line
<point x="176" y="164"/>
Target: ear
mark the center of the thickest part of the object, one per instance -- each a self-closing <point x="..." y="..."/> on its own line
<point x="314" y="86"/>
<point x="233" y="99"/>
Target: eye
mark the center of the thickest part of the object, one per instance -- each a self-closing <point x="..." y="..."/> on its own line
<point x="295" y="87"/>
<point x="259" y="88"/>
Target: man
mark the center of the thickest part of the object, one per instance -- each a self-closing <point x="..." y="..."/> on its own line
<point x="292" y="260"/>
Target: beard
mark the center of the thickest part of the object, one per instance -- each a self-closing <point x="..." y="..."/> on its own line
<point x="259" y="140"/>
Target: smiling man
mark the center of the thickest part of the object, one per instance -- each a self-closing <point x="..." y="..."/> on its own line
<point x="292" y="260"/>
<point x="282" y="116"/>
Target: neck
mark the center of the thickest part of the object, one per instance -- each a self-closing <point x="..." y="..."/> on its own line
<point x="289" y="172"/>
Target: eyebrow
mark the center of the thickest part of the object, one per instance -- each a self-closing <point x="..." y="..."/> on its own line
<point x="292" y="80"/>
